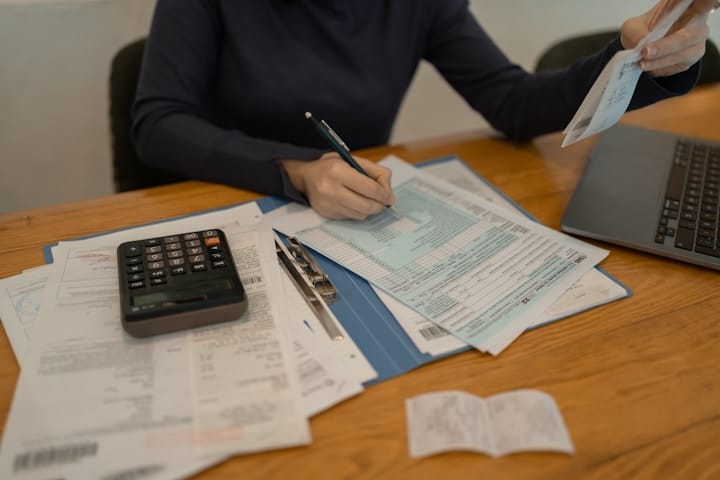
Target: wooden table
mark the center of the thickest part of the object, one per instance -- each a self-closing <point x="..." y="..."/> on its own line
<point x="637" y="381"/>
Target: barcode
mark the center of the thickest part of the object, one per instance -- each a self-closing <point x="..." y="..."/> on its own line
<point x="54" y="455"/>
<point x="433" y="331"/>
<point x="135" y="473"/>
<point x="252" y="280"/>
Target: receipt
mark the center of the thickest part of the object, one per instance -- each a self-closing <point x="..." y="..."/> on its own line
<point x="521" y="420"/>
<point x="611" y="93"/>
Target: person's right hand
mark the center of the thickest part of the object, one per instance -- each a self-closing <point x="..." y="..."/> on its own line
<point x="335" y="190"/>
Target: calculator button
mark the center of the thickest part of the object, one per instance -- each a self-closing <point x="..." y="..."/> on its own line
<point x="153" y="249"/>
<point x="194" y="251"/>
<point x="176" y="262"/>
<point x="192" y="243"/>
<point x="134" y="268"/>
<point x="152" y="242"/>
<point x="156" y="265"/>
<point x="173" y="246"/>
<point x="136" y="277"/>
<point x="191" y="236"/>
<point x="174" y="254"/>
<point x="217" y="255"/>
<point x="219" y="264"/>
<point x="177" y="270"/>
<point x="133" y="260"/>
<point x="210" y="233"/>
<point x="171" y="239"/>
<point x="196" y="258"/>
<point x="212" y="241"/>
<point x="199" y="267"/>
<point x="154" y="257"/>
<point x="132" y="250"/>
<point x="136" y="284"/>
<point x="214" y="248"/>
<point x="158" y="281"/>
<point x="157" y="274"/>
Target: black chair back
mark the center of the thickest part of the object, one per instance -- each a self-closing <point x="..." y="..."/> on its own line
<point x="129" y="173"/>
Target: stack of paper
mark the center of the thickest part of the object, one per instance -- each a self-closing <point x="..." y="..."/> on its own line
<point x="93" y="402"/>
<point x="471" y="267"/>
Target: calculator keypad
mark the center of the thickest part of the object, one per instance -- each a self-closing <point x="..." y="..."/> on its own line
<point x="150" y="262"/>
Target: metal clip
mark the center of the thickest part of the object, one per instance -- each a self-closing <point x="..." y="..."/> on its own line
<point x="318" y="278"/>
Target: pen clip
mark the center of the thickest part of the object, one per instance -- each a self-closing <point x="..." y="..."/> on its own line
<point x="335" y="135"/>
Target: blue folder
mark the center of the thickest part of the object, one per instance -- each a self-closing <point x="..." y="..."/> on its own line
<point x="364" y="316"/>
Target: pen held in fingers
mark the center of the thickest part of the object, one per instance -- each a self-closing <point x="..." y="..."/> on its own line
<point x="336" y="143"/>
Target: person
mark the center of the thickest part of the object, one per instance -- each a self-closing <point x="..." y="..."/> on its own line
<point x="225" y="85"/>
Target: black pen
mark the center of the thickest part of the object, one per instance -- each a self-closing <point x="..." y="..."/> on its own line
<point x="338" y="145"/>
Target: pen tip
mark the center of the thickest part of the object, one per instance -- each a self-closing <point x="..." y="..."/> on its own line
<point x="308" y="115"/>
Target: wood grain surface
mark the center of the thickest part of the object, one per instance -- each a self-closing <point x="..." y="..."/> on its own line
<point x="637" y="381"/>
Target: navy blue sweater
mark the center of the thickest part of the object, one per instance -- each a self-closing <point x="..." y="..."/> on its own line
<point x="225" y="83"/>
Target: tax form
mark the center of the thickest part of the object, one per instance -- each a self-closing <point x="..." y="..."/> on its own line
<point x="611" y="93"/>
<point x="93" y="407"/>
<point x="594" y="288"/>
<point x="471" y="267"/>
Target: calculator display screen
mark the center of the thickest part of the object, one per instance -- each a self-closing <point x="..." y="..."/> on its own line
<point x="186" y="293"/>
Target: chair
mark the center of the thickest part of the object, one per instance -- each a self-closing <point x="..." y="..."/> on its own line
<point x="128" y="172"/>
<point x="566" y="51"/>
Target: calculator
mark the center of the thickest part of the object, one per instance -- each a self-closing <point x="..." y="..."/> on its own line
<point x="178" y="281"/>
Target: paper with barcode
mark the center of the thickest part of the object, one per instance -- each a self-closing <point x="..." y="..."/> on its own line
<point x="109" y="406"/>
<point x="593" y="289"/>
<point x="516" y="421"/>
<point x="610" y="95"/>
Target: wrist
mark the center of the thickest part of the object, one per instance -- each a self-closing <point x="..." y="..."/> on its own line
<point x="295" y="171"/>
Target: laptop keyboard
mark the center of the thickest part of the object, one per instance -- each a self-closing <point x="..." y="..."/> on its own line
<point x="689" y="219"/>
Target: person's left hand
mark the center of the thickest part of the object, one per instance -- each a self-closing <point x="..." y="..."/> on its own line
<point x="681" y="48"/>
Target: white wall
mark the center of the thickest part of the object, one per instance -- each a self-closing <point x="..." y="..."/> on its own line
<point x="54" y="67"/>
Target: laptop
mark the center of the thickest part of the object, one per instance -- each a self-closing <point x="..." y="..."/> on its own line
<point x="652" y="191"/>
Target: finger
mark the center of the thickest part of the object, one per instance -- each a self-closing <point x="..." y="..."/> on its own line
<point x="670" y="65"/>
<point x="367" y="186"/>
<point x="674" y="63"/>
<point x="686" y="39"/>
<point x="345" y="204"/>
<point x="357" y="207"/>
<point x="382" y="176"/>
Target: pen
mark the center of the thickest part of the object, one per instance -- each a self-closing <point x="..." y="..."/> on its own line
<point x="338" y="145"/>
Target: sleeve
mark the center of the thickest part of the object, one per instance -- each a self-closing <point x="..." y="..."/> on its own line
<point x="517" y="103"/>
<point x="171" y="125"/>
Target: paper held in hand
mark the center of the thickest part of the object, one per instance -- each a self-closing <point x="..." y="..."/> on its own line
<point x="610" y="95"/>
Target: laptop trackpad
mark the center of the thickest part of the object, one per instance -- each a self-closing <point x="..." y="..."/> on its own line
<point x="619" y="197"/>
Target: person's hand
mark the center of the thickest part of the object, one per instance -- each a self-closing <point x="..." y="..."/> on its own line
<point x="336" y="190"/>
<point x="683" y="45"/>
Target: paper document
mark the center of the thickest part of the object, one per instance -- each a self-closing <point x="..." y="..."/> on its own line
<point x="610" y="95"/>
<point x="517" y="421"/>
<point x="92" y="407"/>
<point x="594" y="288"/>
<point x="471" y="267"/>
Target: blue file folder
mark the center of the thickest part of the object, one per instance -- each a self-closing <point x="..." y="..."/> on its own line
<point x="366" y="319"/>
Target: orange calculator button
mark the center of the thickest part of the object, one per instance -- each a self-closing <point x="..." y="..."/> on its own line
<point x="212" y="241"/>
